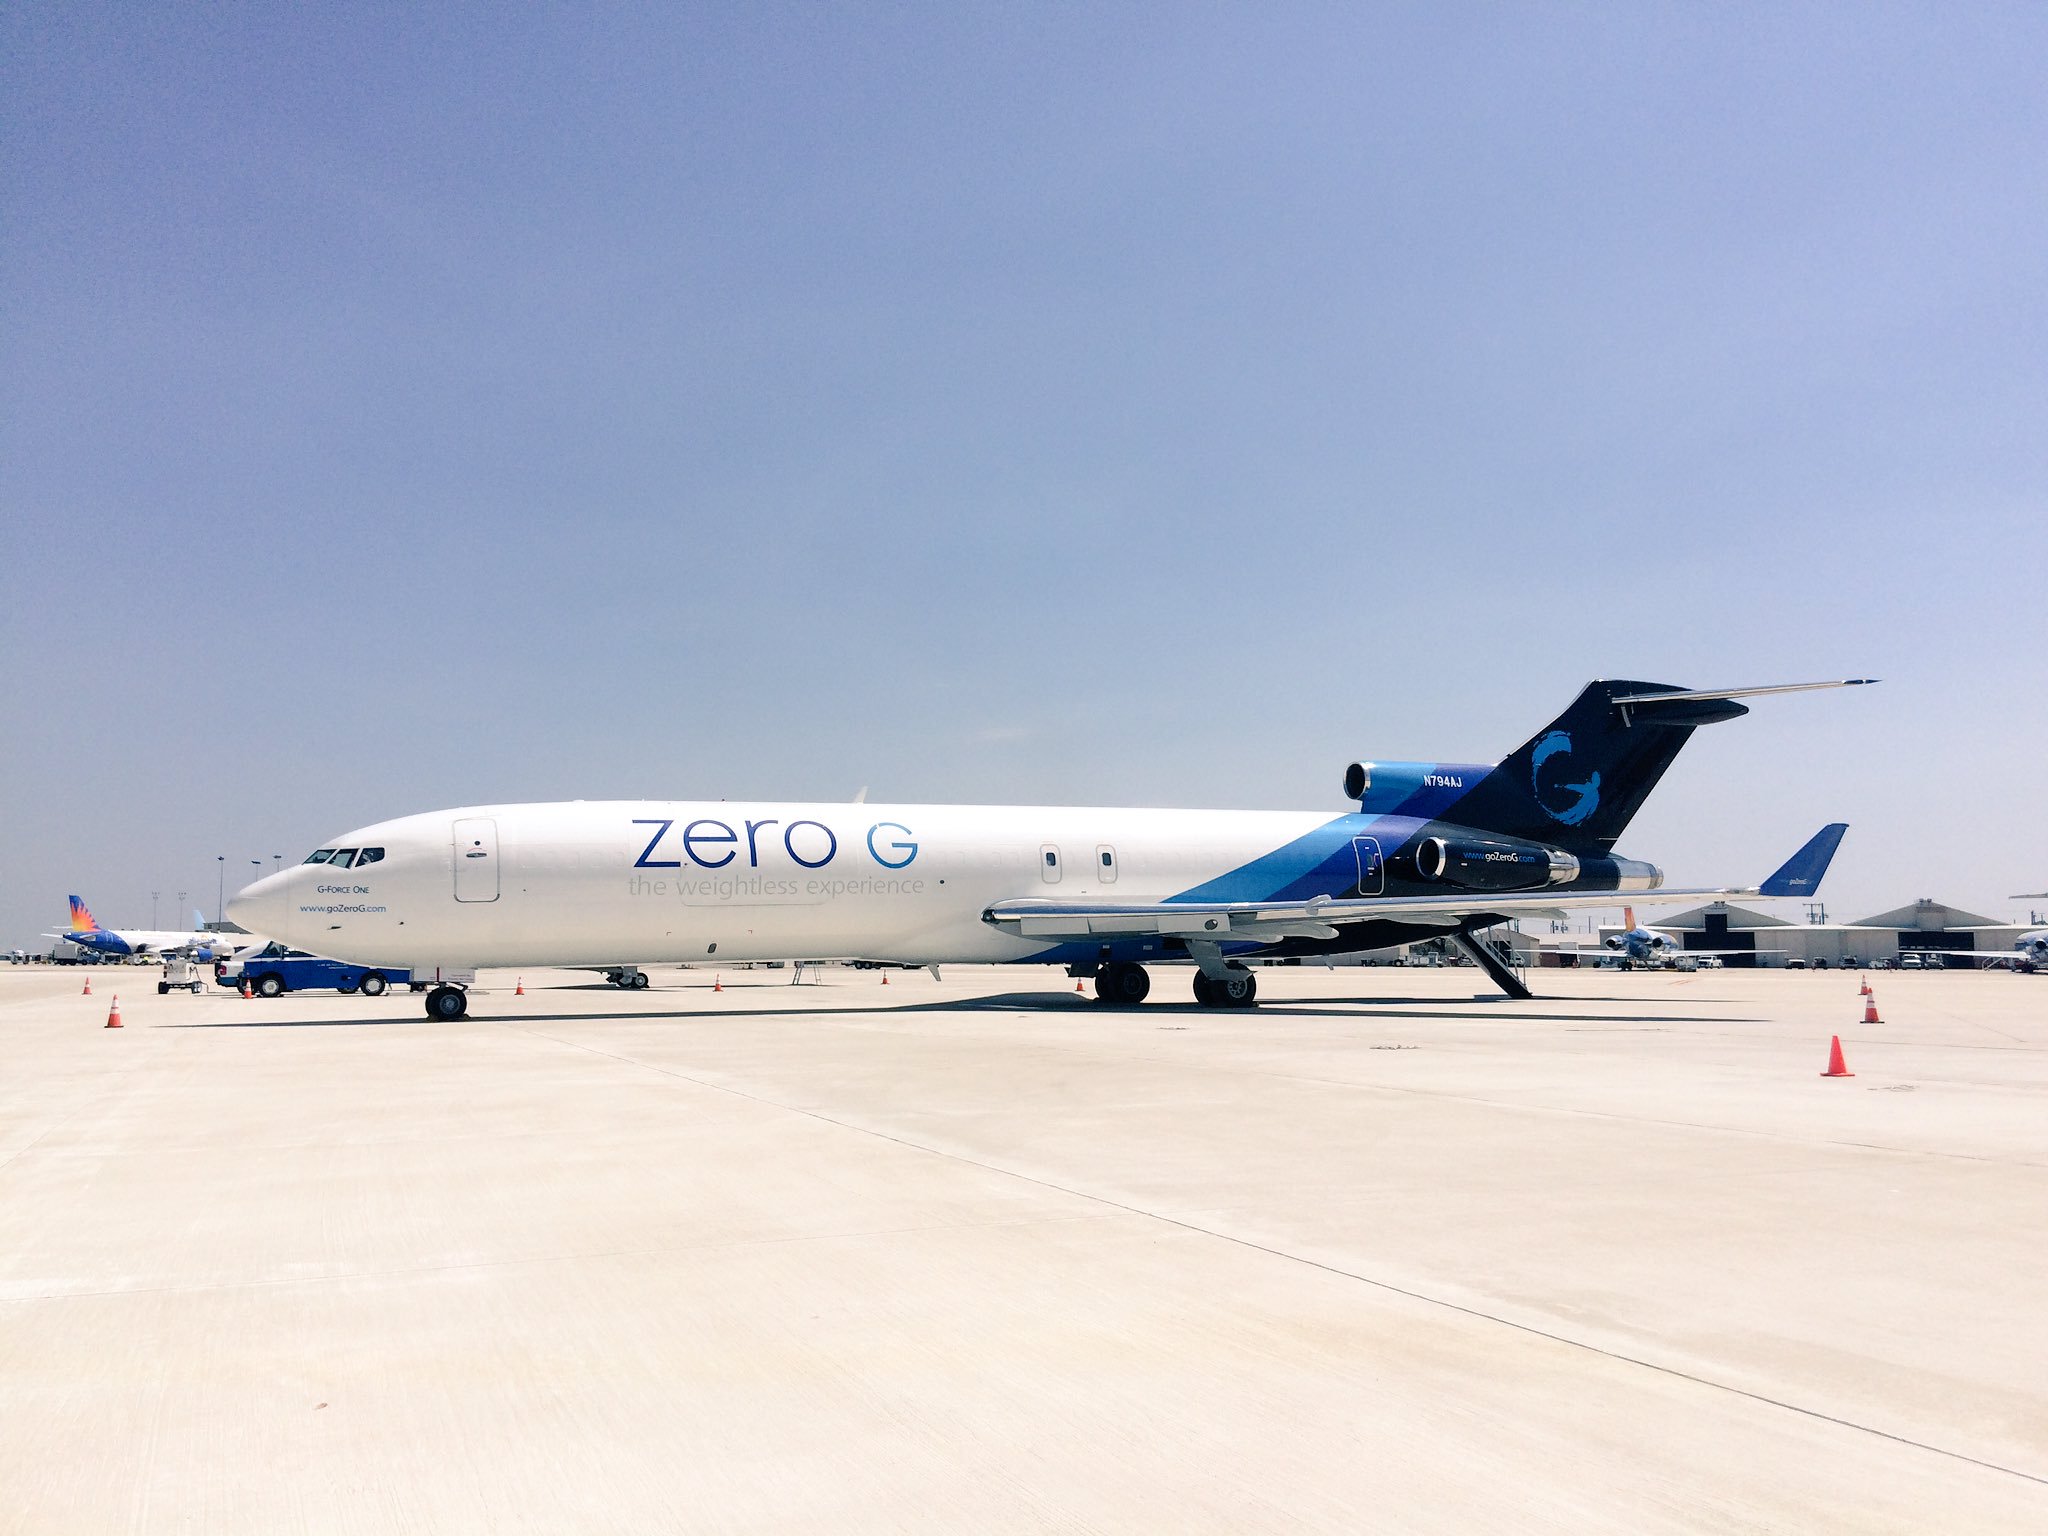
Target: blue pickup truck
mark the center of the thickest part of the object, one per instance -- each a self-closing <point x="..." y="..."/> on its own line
<point x="275" y="970"/>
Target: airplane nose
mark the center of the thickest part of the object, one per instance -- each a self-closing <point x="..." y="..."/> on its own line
<point x="264" y="907"/>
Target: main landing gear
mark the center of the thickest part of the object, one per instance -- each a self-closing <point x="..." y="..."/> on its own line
<point x="1124" y="984"/>
<point x="629" y="978"/>
<point x="1238" y="989"/>
<point x="445" y="1003"/>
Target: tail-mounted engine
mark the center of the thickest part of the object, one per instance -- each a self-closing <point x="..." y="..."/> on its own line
<point x="1491" y="864"/>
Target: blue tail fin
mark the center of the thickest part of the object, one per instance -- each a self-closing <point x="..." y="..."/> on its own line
<point x="1581" y="779"/>
<point x="1800" y="875"/>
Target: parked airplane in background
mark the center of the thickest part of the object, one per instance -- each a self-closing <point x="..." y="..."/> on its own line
<point x="1637" y="945"/>
<point x="88" y="934"/>
<point x="1432" y="849"/>
<point x="1659" y="949"/>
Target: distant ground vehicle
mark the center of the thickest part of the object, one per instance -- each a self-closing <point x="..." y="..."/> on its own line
<point x="1911" y="961"/>
<point x="275" y="970"/>
<point x="182" y="972"/>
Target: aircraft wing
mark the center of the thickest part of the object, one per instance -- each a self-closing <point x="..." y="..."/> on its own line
<point x="1317" y="918"/>
<point x="1321" y="917"/>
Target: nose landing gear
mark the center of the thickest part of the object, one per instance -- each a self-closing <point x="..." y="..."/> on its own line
<point x="444" y="1003"/>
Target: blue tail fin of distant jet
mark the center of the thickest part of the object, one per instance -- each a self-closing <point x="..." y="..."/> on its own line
<point x="1580" y="780"/>
<point x="1800" y="875"/>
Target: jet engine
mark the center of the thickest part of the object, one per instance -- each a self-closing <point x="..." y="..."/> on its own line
<point x="1492" y="864"/>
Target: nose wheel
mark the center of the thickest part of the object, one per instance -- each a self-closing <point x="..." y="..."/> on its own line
<point x="447" y="1003"/>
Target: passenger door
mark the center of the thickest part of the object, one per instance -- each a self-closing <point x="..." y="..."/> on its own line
<point x="476" y="859"/>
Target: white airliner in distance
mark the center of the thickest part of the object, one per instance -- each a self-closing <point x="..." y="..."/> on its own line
<point x="1432" y="849"/>
<point x="86" y="933"/>
<point x="1652" y="949"/>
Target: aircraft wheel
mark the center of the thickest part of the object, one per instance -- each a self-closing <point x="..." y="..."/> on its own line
<point x="446" y="1003"/>
<point x="270" y="984"/>
<point x="347" y="989"/>
<point x="639" y="981"/>
<point x="1122" y="984"/>
<point x="1205" y="990"/>
<point x="1240" y="989"/>
<point x="374" y="985"/>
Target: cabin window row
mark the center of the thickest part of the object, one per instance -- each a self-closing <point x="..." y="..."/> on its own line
<point x="1049" y="863"/>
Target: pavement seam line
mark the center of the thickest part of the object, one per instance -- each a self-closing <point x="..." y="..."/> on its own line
<point x="1327" y="1268"/>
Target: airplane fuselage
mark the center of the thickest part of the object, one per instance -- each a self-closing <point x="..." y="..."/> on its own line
<point x="602" y="882"/>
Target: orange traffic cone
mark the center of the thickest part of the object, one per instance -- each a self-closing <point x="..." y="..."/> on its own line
<point x="247" y="990"/>
<point x="520" y="990"/>
<point x="114" y="1014"/>
<point x="718" y="983"/>
<point x="1081" y="989"/>
<point x="1864" y="990"/>
<point x="1836" y="1066"/>
<point x="88" y="988"/>
<point x="1870" y="1010"/>
<point x="885" y="978"/>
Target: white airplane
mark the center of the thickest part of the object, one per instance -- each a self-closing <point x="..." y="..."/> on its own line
<point x="1432" y="849"/>
<point x="1638" y="945"/>
<point x="1659" y="949"/>
<point x="2029" y="951"/>
<point x="88" y="934"/>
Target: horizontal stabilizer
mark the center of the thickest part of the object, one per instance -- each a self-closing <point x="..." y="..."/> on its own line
<point x="1676" y="695"/>
<point x="1800" y="875"/>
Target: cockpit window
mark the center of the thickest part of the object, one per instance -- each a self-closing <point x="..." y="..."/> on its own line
<point x="369" y="856"/>
<point x="319" y="855"/>
<point x="343" y="857"/>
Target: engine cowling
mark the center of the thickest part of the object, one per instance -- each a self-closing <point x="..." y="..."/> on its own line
<point x="1492" y="864"/>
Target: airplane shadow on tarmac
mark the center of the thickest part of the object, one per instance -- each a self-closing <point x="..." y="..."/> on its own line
<point x="1362" y="1008"/>
<point x="1018" y="1002"/>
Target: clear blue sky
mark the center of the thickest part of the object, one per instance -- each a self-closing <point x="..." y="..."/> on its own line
<point x="415" y="406"/>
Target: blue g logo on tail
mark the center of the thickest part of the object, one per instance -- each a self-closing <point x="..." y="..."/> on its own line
<point x="1561" y="801"/>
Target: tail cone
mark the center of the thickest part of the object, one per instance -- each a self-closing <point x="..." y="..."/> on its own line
<point x="114" y="1014"/>
<point x="1836" y="1066"/>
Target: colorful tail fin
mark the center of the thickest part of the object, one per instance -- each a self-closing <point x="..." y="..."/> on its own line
<point x="1581" y="779"/>
<point x="81" y="919"/>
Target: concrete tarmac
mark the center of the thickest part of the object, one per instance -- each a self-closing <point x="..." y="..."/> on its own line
<point x="975" y="1254"/>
